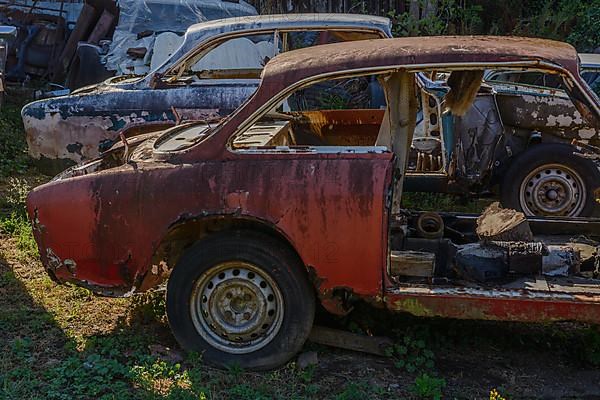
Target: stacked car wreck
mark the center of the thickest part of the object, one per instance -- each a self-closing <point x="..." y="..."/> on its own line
<point x="253" y="219"/>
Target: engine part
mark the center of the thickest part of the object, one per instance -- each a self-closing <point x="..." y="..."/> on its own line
<point x="430" y="225"/>
<point x="523" y="257"/>
<point x="561" y="261"/>
<point x="481" y="263"/>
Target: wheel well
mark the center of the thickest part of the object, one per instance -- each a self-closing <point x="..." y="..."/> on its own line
<point x="185" y="233"/>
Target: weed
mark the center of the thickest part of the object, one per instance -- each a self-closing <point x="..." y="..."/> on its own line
<point x="21" y="347"/>
<point x="307" y="374"/>
<point x="17" y="226"/>
<point x="411" y="354"/>
<point x="428" y="387"/>
<point x="13" y="217"/>
<point x="235" y="370"/>
<point x="150" y="306"/>
<point x="311" y="389"/>
<point x="8" y="278"/>
<point x="92" y="377"/>
<point x="355" y="391"/>
<point x="16" y="193"/>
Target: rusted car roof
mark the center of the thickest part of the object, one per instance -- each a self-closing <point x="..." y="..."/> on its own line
<point x="296" y="65"/>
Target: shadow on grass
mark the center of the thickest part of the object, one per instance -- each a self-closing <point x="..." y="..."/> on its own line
<point x="39" y="360"/>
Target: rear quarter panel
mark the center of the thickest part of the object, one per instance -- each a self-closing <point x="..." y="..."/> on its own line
<point x="331" y="207"/>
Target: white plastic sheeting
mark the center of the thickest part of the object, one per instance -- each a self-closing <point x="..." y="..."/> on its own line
<point x="160" y="17"/>
<point x="237" y="53"/>
<point x="164" y="46"/>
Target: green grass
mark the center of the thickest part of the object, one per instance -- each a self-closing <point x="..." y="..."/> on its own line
<point x="443" y="202"/>
<point x="13" y="147"/>
<point x="428" y="387"/>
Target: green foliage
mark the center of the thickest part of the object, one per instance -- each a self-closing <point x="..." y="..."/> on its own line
<point x="13" y="148"/>
<point x="574" y="21"/>
<point x="94" y="376"/>
<point x="333" y="101"/>
<point x="21" y="347"/>
<point x="551" y="19"/>
<point x="235" y="370"/>
<point x="247" y="392"/>
<point x="307" y="374"/>
<point x="411" y="354"/>
<point x="13" y="217"/>
<point x="150" y="306"/>
<point x="17" y="225"/>
<point x="355" y="391"/>
<point x="447" y="17"/>
<point x="585" y="34"/>
<point x="428" y="387"/>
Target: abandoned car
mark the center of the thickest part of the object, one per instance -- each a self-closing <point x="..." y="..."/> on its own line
<point x="501" y="144"/>
<point x="590" y="72"/>
<point x="210" y="74"/>
<point x="252" y="220"/>
<point x="497" y="147"/>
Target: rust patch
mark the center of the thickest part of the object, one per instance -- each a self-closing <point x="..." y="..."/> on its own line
<point x="332" y="299"/>
<point x="237" y="200"/>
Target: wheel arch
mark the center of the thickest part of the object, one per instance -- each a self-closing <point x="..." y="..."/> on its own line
<point x="185" y="232"/>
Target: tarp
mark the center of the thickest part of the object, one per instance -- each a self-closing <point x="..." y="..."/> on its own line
<point x="155" y="17"/>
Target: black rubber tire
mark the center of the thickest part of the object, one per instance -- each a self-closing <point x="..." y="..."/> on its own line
<point x="272" y="256"/>
<point x="550" y="153"/>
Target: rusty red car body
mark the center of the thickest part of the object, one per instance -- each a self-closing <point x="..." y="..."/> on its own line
<point x="122" y="229"/>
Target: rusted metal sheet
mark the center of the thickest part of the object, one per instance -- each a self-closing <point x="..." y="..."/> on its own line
<point x="490" y="304"/>
<point x="544" y="110"/>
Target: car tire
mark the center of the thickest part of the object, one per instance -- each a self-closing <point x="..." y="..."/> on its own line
<point x="241" y="298"/>
<point x="550" y="180"/>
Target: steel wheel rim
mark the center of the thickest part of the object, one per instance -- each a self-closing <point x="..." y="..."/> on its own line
<point x="552" y="190"/>
<point x="236" y="307"/>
